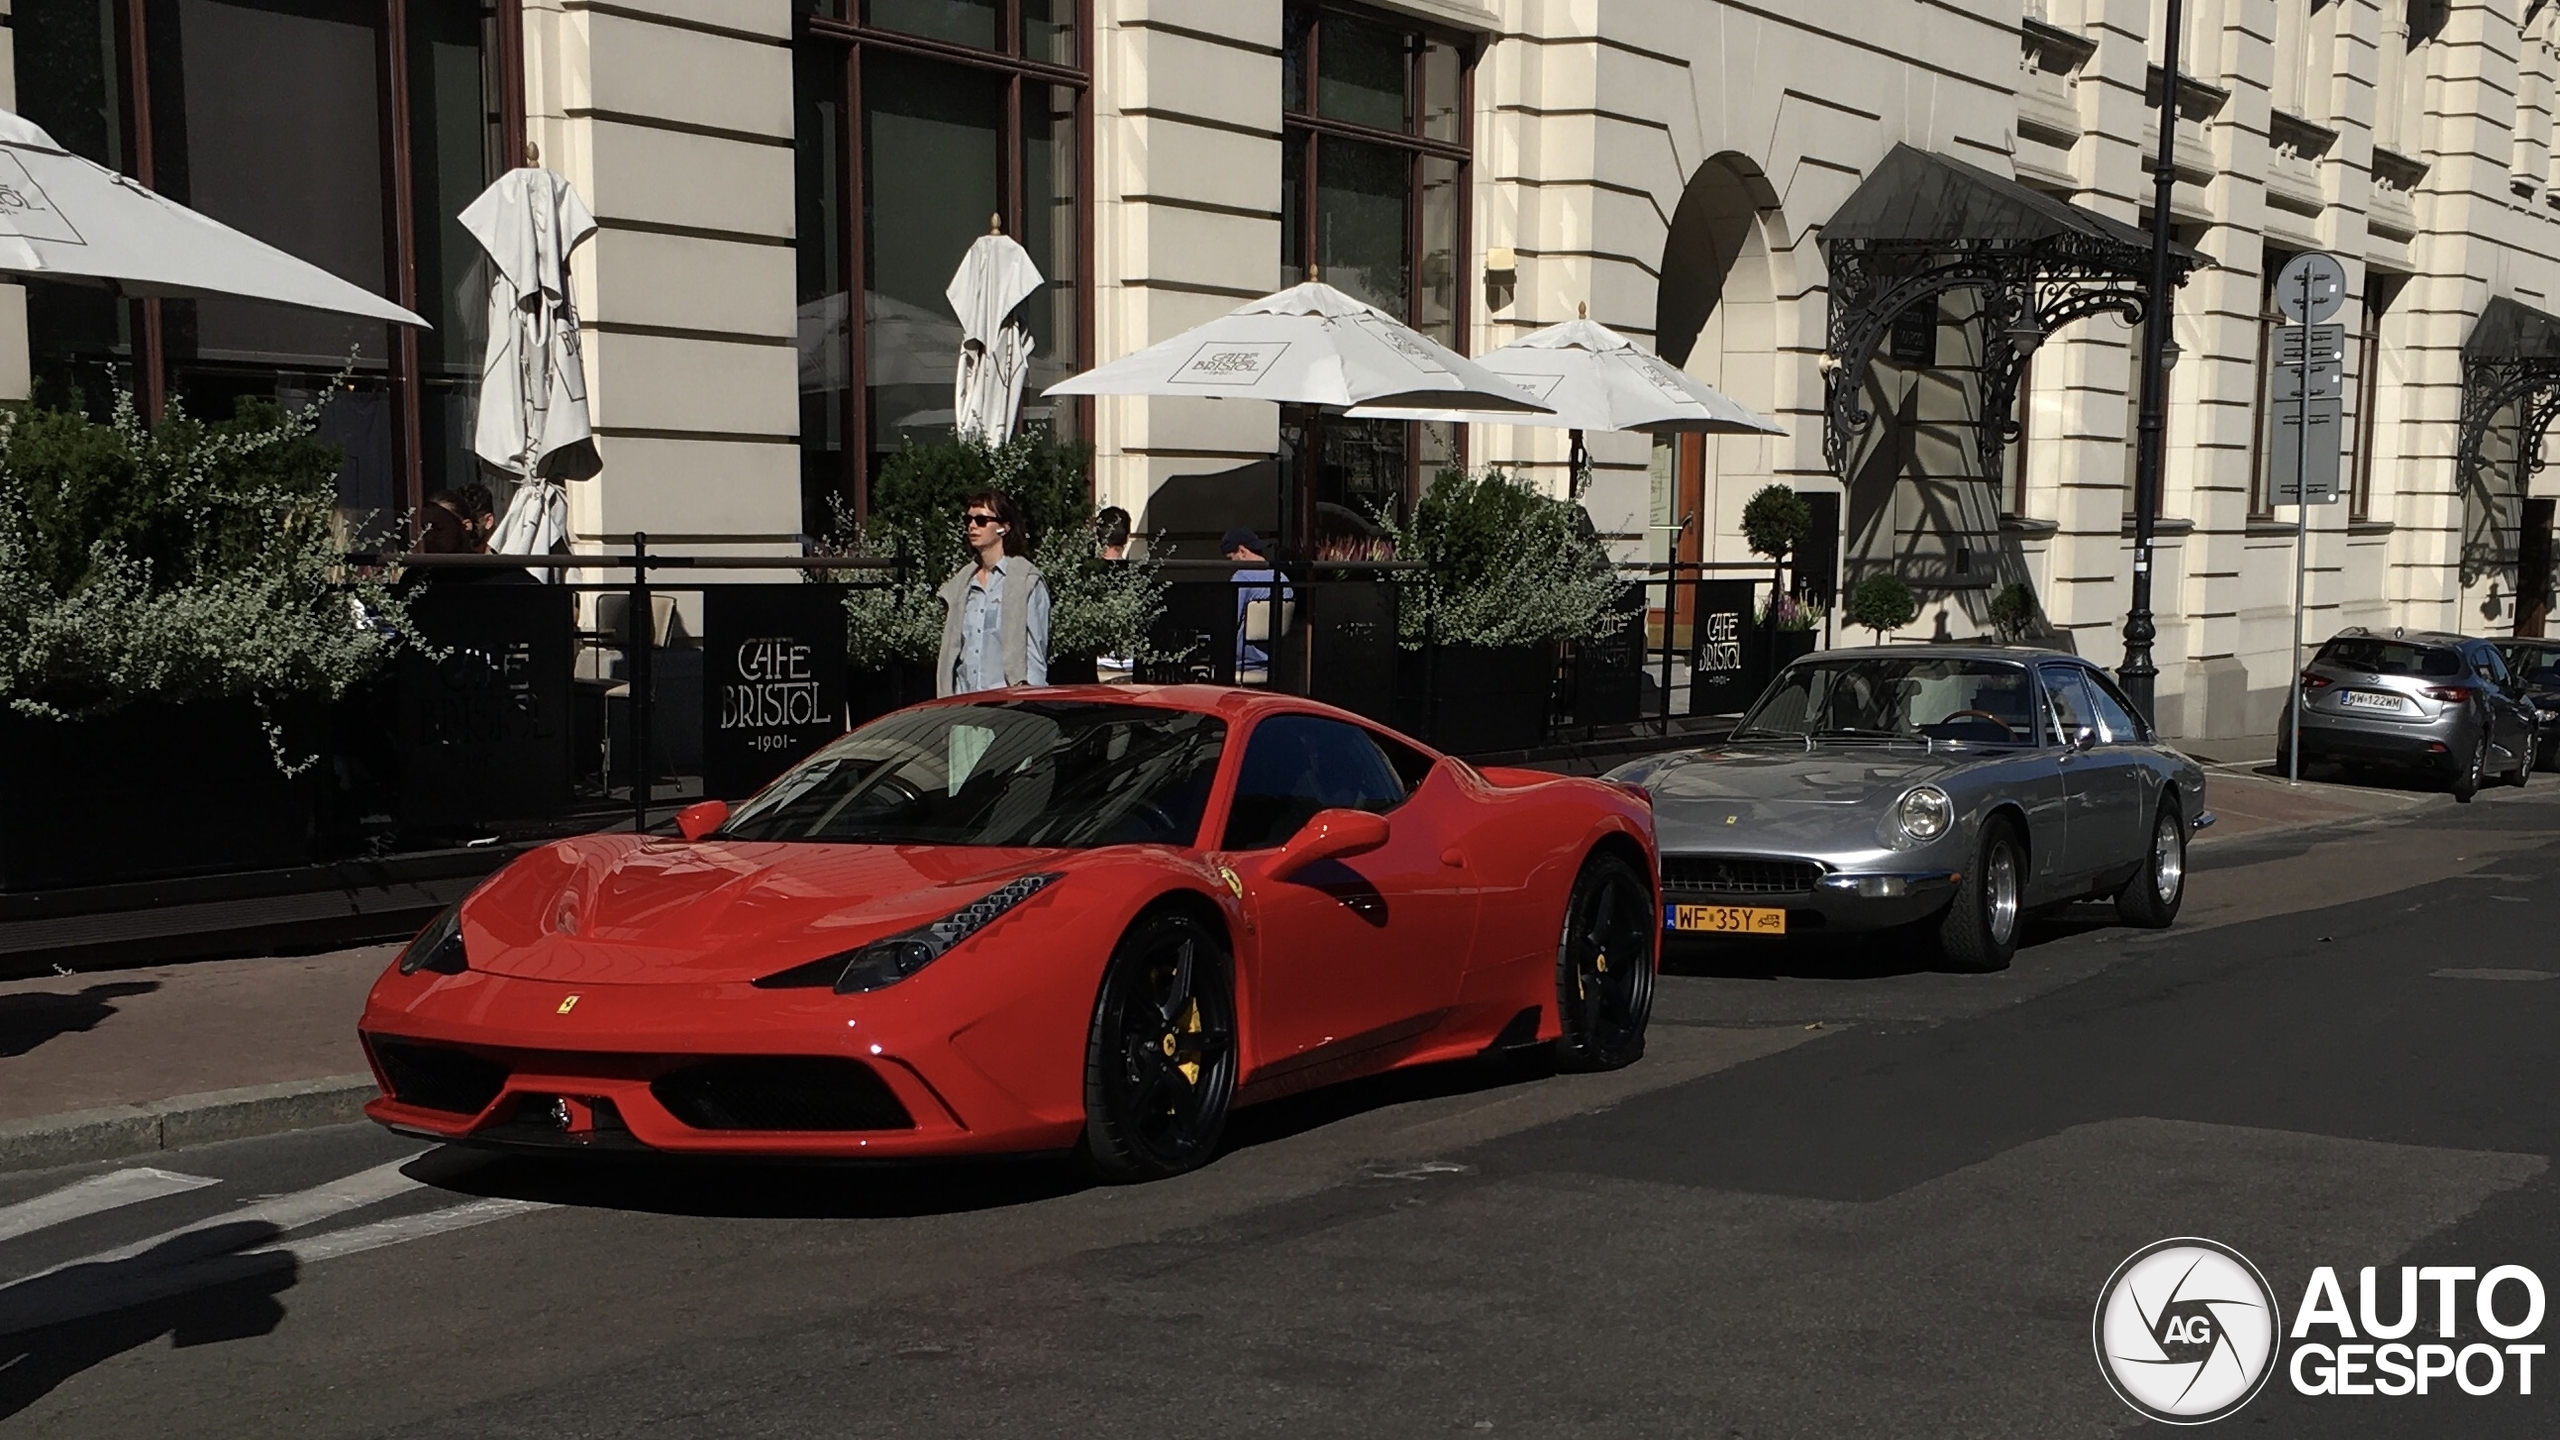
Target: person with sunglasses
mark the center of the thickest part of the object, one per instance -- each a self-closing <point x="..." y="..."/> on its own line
<point x="995" y="628"/>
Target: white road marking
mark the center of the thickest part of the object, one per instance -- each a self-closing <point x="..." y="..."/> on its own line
<point x="290" y="1212"/>
<point x="357" y="1239"/>
<point x="93" y="1196"/>
<point x="165" y="1267"/>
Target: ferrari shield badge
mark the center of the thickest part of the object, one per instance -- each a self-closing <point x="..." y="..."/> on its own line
<point x="1235" y="886"/>
<point x="568" y="1005"/>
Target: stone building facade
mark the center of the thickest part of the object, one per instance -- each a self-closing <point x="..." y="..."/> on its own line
<point x="1482" y="167"/>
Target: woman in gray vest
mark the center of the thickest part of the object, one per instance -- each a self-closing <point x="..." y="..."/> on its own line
<point x="995" y="627"/>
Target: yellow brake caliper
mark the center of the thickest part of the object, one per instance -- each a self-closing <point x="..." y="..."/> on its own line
<point x="1190" y="1067"/>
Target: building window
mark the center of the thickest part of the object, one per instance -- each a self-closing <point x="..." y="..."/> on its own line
<point x="920" y="123"/>
<point x="341" y="167"/>
<point x="2379" y="289"/>
<point x="2262" y="450"/>
<point x="1374" y="162"/>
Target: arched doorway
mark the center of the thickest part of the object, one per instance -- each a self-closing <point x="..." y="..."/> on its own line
<point x="1716" y="316"/>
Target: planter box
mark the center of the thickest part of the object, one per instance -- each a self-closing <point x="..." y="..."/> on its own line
<point x="155" y="790"/>
<point x="1483" y="699"/>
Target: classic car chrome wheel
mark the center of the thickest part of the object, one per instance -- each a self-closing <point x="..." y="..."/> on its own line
<point x="1979" y="932"/>
<point x="1604" y="966"/>
<point x="1160" y="1062"/>
<point x="2151" y="898"/>
<point x="2000" y="893"/>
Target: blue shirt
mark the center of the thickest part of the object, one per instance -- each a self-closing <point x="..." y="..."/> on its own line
<point x="981" y="662"/>
<point x="1252" y="585"/>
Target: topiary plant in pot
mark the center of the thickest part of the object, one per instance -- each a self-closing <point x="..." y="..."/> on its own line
<point x="1882" y="602"/>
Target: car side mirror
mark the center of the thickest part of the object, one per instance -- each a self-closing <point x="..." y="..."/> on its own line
<point x="2085" y="738"/>
<point x="1330" y="835"/>
<point x="700" y="819"/>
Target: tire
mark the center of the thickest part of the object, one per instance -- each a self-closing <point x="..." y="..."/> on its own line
<point x="1160" y="1060"/>
<point x="1604" y="965"/>
<point x="1979" y="932"/>
<point x="2466" y="781"/>
<point x="2152" y="897"/>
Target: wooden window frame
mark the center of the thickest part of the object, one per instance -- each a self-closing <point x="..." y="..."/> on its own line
<point x="401" y="379"/>
<point x="857" y="39"/>
<point x="1307" y="126"/>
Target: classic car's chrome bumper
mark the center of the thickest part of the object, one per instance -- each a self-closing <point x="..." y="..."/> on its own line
<point x="1836" y="900"/>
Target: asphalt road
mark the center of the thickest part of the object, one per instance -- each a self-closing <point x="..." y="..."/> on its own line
<point x="1842" y="1196"/>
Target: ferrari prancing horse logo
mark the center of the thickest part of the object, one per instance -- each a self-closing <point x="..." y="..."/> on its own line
<point x="568" y="1005"/>
<point x="1235" y="886"/>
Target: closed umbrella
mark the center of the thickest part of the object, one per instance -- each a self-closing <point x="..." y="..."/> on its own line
<point x="63" y="217"/>
<point x="533" y="387"/>
<point x="1307" y="345"/>
<point x="1593" y="378"/>
<point x="993" y="280"/>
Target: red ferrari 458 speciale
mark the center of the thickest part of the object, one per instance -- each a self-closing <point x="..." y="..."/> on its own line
<point x="1089" y="918"/>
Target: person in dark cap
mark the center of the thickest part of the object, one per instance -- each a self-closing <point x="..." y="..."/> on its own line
<point x="1255" y="580"/>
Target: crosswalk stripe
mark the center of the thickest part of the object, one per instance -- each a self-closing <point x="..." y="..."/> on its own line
<point x="106" y="1283"/>
<point x="218" y="1234"/>
<point x="97" y="1194"/>
<point x="356" y="1239"/>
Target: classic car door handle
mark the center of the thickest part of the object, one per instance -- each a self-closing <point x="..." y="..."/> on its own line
<point x="1454" y="858"/>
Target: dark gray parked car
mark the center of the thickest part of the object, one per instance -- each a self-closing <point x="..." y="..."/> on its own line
<point x="1951" y="786"/>
<point x="2443" y="704"/>
<point x="2535" y="664"/>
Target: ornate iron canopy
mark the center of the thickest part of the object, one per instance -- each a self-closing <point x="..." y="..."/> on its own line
<point x="2512" y="358"/>
<point x="1924" y="224"/>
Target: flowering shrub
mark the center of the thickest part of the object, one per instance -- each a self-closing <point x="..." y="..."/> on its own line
<point x="1096" y="607"/>
<point x="1791" y="612"/>
<point x="1503" y="565"/>
<point x="180" y="561"/>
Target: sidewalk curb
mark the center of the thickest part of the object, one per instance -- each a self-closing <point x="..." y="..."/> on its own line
<point x="115" y="1132"/>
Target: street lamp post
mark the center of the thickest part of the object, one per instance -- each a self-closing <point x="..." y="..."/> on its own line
<point x="2151" y="441"/>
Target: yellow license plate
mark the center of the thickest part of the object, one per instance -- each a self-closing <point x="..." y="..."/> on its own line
<point x="1728" y="919"/>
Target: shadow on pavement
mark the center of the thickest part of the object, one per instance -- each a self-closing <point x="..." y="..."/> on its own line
<point x="194" y="1288"/>
<point x="31" y="1017"/>
<point x="1861" y="955"/>
<point x="748" y="1188"/>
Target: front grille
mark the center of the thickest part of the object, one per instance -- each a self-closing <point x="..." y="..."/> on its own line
<point x="1737" y="875"/>
<point x="433" y="1077"/>
<point x="781" y="1092"/>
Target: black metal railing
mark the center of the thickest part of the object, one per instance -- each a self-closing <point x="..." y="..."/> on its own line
<point x="519" y="685"/>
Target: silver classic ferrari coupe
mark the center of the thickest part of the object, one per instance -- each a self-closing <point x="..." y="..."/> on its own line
<point x="1945" y="787"/>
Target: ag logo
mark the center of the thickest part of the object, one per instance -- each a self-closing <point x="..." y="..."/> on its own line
<point x="2186" y="1331"/>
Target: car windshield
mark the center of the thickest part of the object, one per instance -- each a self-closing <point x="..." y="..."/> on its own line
<point x="999" y="773"/>
<point x="2377" y="656"/>
<point x="1984" y="702"/>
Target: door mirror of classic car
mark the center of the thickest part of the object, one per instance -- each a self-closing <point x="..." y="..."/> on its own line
<point x="695" y="821"/>
<point x="1330" y="835"/>
<point x="2085" y="738"/>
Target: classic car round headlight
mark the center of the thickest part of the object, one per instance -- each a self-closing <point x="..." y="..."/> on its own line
<point x="1924" y="812"/>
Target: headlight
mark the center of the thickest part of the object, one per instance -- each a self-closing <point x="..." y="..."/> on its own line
<point x="438" y="947"/>
<point x="887" y="961"/>
<point x="1924" y="812"/>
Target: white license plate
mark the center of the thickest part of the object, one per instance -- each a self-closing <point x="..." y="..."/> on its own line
<point x="2370" y="700"/>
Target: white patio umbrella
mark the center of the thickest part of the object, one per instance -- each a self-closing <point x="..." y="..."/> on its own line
<point x="533" y="419"/>
<point x="1593" y="378"/>
<point x="1307" y="345"/>
<point x="994" y="278"/>
<point x="63" y="217"/>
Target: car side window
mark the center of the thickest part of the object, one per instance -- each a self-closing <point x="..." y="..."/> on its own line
<point x="1296" y="765"/>
<point x="2489" y="664"/>
<point x="2070" y="700"/>
<point x="2115" y="713"/>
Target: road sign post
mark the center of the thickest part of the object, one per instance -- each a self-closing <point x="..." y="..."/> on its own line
<point x="2308" y="403"/>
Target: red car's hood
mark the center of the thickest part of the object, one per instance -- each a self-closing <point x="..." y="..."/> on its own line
<point x="605" y="909"/>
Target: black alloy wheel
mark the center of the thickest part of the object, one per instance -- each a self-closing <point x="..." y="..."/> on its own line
<point x="1604" y="965"/>
<point x="2152" y="897"/>
<point x="1160" y="1063"/>
<point x="1979" y="932"/>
